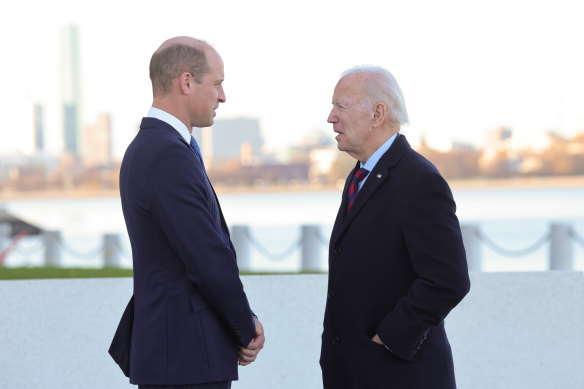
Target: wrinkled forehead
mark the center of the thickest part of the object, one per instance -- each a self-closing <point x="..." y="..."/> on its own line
<point x="349" y="88"/>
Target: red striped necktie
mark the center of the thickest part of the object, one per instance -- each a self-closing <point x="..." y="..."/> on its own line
<point x="354" y="187"/>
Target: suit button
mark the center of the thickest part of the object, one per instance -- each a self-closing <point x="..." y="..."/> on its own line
<point x="331" y="295"/>
<point x="336" y="340"/>
<point x="337" y="251"/>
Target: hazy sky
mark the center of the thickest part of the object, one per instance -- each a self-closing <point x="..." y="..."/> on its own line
<point x="464" y="66"/>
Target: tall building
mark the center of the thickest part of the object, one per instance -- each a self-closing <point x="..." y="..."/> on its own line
<point x="71" y="89"/>
<point x="38" y="128"/>
<point x="97" y="145"/>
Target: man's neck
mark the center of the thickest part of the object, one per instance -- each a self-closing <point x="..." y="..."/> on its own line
<point x="166" y="104"/>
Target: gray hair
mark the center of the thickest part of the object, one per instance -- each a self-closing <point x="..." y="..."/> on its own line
<point x="381" y="86"/>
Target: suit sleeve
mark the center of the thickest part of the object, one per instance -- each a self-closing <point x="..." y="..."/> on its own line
<point x="180" y="204"/>
<point x="432" y="237"/>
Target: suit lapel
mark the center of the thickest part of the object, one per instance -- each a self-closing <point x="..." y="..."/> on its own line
<point x="377" y="177"/>
<point x="342" y="213"/>
<point x="158" y="124"/>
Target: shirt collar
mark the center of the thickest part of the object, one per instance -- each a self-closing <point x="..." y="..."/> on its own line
<point x="372" y="161"/>
<point x="159" y="114"/>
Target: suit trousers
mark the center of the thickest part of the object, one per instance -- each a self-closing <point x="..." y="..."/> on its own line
<point x="212" y="385"/>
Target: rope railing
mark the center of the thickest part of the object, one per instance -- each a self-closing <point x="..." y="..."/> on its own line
<point x="266" y="253"/>
<point x="321" y="238"/>
<point x="513" y="253"/>
<point x="34" y="249"/>
<point x="308" y="242"/>
<point x="122" y="249"/>
<point x="39" y="246"/>
<point x="81" y="254"/>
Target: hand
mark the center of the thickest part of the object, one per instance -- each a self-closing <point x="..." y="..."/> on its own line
<point x="249" y="354"/>
<point x="377" y="339"/>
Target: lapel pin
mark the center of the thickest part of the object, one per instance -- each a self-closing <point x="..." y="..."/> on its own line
<point x="379" y="176"/>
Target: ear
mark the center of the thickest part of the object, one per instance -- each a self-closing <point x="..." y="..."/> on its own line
<point x="379" y="113"/>
<point x="185" y="82"/>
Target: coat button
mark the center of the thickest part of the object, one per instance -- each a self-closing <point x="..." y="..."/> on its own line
<point x="337" y="251"/>
<point x="331" y="295"/>
<point x="336" y="340"/>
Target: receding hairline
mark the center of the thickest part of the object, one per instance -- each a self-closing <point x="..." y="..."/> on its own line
<point x="184" y="41"/>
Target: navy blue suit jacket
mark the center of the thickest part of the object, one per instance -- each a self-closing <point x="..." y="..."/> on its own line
<point x="189" y="313"/>
<point x="397" y="266"/>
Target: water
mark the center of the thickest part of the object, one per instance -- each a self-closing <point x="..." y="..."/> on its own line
<point x="513" y="218"/>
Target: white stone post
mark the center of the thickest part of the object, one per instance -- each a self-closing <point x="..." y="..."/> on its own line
<point x="472" y="246"/>
<point x="239" y="238"/>
<point x="561" y="247"/>
<point x="311" y="248"/>
<point x="111" y="250"/>
<point x="53" y="252"/>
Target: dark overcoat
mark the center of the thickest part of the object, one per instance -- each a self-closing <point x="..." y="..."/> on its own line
<point x="397" y="266"/>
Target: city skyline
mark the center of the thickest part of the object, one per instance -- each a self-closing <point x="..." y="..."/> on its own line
<point x="465" y="69"/>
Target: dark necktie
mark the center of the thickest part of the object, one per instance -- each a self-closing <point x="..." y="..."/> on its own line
<point x="197" y="150"/>
<point x="354" y="187"/>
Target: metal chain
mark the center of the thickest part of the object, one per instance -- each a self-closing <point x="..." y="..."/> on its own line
<point x="513" y="253"/>
<point x="271" y="256"/>
<point x="577" y="238"/>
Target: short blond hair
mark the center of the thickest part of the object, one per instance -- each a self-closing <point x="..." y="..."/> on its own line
<point x="169" y="62"/>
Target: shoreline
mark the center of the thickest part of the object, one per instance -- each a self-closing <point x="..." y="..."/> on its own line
<point x="475" y="183"/>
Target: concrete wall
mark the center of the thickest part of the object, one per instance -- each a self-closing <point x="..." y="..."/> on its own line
<point x="514" y="330"/>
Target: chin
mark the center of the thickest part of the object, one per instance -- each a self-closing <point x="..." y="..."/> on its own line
<point x="207" y="124"/>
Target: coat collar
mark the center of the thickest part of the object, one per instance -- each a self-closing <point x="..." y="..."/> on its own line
<point x="379" y="174"/>
<point x="149" y="123"/>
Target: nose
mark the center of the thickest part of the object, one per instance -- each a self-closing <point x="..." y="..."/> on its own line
<point x="332" y="118"/>
<point x="221" y="96"/>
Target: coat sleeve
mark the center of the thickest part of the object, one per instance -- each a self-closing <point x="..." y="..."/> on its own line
<point x="433" y="241"/>
<point x="180" y="203"/>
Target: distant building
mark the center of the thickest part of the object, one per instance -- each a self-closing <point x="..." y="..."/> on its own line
<point x="230" y="140"/>
<point x="321" y="163"/>
<point x="498" y="158"/>
<point x="499" y="137"/>
<point x="97" y="143"/>
<point x="38" y="128"/>
<point x="71" y="89"/>
<point x="24" y="167"/>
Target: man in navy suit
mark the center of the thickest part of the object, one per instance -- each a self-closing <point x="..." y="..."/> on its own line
<point x="397" y="265"/>
<point x="189" y="322"/>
